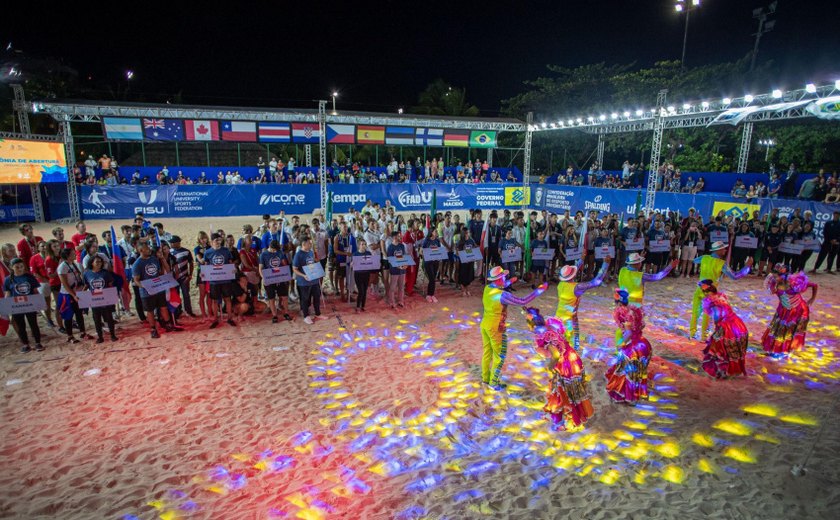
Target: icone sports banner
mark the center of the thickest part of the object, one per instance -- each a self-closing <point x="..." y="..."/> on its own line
<point x="31" y="162"/>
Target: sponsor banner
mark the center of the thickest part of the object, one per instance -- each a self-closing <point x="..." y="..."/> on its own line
<point x="313" y="271"/>
<point x="366" y="262"/>
<point x="542" y="253"/>
<point x="517" y="196"/>
<point x="218" y="273"/>
<point x="734" y="209"/>
<point x="604" y="252"/>
<point x="102" y="298"/>
<point x="511" y="255"/>
<point x="558" y="199"/>
<point x="470" y="254"/>
<point x="277" y="275"/>
<point x="746" y="242"/>
<point x="22" y="304"/>
<point x="21" y="212"/>
<point x="418" y="197"/>
<point x="431" y="254"/>
<point x="159" y="284"/>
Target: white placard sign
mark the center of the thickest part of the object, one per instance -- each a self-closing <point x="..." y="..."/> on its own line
<point x="746" y="241"/>
<point x="574" y="253"/>
<point x="470" y="254"/>
<point x="22" y="304"/>
<point x="637" y="244"/>
<point x="790" y="248"/>
<point x="218" y="273"/>
<point x="405" y="260"/>
<point x="101" y="298"/>
<point x="159" y="284"/>
<point x="660" y="246"/>
<point x="719" y="236"/>
<point x="701" y="244"/>
<point x="543" y="253"/>
<point x="275" y="275"/>
<point x="810" y="244"/>
<point x="431" y="254"/>
<point x="370" y="262"/>
<point x="511" y="255"/>
<point x="314" y="271"/>
<point x="604" y="252"/>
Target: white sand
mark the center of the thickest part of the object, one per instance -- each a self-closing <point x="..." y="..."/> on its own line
<point x="207" y="424"/>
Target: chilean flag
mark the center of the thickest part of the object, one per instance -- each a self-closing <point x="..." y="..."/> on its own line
<point x="242" y="131"/>
<point x="119" y="270"/>
<point x="201" y="130"/>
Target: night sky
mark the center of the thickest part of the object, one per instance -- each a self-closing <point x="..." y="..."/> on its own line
<point x="380" y="55"/>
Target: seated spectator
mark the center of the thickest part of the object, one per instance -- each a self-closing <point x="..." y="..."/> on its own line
<point x="701" y="183"/>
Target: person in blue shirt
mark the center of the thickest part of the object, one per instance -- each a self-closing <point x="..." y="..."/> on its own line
<point x="96" y="279"/>
<point x="362" y="278"/>
<point x="431" y="267"/>
<point x="538" y="267"/>
<point x="22" y="283"/>
<point x="600" y="241"/>
<point x="274" y="258"/>
<point x="396" y="282"/>
<point x="309" y="288"/>
<point x="145" y="268"/>
<point x="220" y="290"/>
<point x="508" y="243"/>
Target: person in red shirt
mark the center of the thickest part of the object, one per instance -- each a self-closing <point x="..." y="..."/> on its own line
<point x="79" y="240"/>
<point x="38" y="268"/>
<point x="28" y="245"/>
<point x="412" y="239"/>
<point x="58" y="234"/>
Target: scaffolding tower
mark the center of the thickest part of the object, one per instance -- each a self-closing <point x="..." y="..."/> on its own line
<point x="656" y="150"/>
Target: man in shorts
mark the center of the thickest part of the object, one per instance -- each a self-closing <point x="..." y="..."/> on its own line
<point x="273" y="258"/>
<point x="220" y="290"/>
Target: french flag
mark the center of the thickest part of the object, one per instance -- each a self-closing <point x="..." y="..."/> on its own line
<point x="242" y="131"/>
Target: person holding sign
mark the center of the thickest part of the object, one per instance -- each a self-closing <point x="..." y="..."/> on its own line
<point x="220" y="290"/>
<point x="726" y="348"/>
<point x="632" y="280"/>
<point x="466" y="269"/>
<point x="786" y="331"/>
<point x="494" y="324"/>
<point x="148" y="267"/>
<point x="272" y="260"/>
<point x="430" y="244"/>
<point x="688" y="249"/>
<point x="808" y="240"/>
<point x="343" y="250"/>
<point x="712" y="267"/>
<point x="770" y="252"/>
<point x="568" y="298"/>
<point x="787" y="247"/>
<point x="396" y="286"/>
<point x="603" y="249"/>
<point x="362" y="278"/>
<point x="96" y="279"/>
<point x="21" y="283"/>
<point x="68" y="303"/>
<point x="740" y="251"/>
<point x="508" y="244"/>
<point x="309" y="288"/>
<point x="538" y="266"/>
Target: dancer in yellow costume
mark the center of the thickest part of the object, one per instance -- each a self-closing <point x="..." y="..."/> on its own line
<point x="632" y="280"/>
<point x="712" y="267"/>
<point x="568" y="299"/>
<point x="494" y="323"/>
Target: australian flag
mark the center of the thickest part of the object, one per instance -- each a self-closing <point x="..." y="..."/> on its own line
<point x="163" y="129"/>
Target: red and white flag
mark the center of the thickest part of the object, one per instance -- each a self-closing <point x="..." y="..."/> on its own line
<point x="201" y="130"/>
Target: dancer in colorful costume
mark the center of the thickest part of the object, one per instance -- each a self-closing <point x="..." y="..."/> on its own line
<point x="627" y="379"/>
<point x="494" y="323"/>
<point x="712" y="267"/>
<point x="786" y="331"/>
<point x="568" y="400"/>
<point x="632" y="280"/>
<point x="726" y="348"/>
<point x="568" y="298"/>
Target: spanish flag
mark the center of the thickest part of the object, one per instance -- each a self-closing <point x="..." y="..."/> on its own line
<point x="459" y="138"/>
<point x="370" y="134"/>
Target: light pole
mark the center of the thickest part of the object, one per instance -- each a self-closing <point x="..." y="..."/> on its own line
<point x="685" y="6"/>
<point x="768" y="143"/>
<point x="334" y="95"/>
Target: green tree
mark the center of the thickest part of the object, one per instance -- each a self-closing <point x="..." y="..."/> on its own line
<point x="442" y="99"/>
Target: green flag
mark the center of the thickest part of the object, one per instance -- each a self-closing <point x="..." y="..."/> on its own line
<point x="482" y="139"/>
<point x="527" y="247"/>
<point x="638" y="204"/>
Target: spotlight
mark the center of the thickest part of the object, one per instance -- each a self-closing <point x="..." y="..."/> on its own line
<point x="749" y="98"/>
<point x="810" y="88"/>
<point x="639" y="113"/>
<point x="705" y="105"/>
<point x="727" y="101"/>
<point x="777" y="94"/>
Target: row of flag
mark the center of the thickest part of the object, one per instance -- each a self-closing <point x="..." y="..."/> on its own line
<point x="152" y="129"/>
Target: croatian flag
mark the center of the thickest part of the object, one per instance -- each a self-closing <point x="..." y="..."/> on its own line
<point x="306" y="133"/>
<point x="243" y="131"/>
<point x="122" y="129"/>
<point x="275" y="132"/>
<point x="428" y="137"/>
<point x="163" y="129"/>
<point x="201" y="130"/>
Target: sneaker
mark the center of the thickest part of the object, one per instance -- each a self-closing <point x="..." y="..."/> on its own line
<point x="287" y="317"/>
<point x="434" y="299"/>
<point x="51" y="324"/>
<point x="39" y="347"/>
<point x="231" y="323"/>
<point x="100" y="339"/>
<point x="214" y="324"/>
<point x="429" y="299"/>
<point x="155" y="334"/>
<point x="61" y="330"/>
<point x="308" y="320"/>
<point x="71" y="339"/>
<point x="274" y="319"/>
<point x="26" y="348"/>
<point x="114" y="337"/>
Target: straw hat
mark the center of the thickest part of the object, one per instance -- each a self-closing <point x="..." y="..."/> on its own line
<point x="634" y="258"/>
<point x="497" y="273"/>
<point x="717" y="246"/>
<point x="568" y="272"/>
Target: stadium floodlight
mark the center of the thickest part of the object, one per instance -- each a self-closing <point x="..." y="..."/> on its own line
<point x="749" y="98"/>
<point x="678" y="8"/>
<point x="727" y="101"/>
<point x="561" y="123"/>
<point x="553" y="125"/>
<point x="626" y="114"/>
<point x="614" y="115"/>
<point x="544" y="124"/>
<point x="639" y="112"/>
<point x="777" y="93"/>
<point x="334" y="95"/>
<point x="810" y="88"/>
<point x="695" y="3"/>
<point x="129" y="74"/>
<point x="672" y="109"/>
<point x="579" y="120"/>
<point x="602" y="117"/>
<point x="837" y="84"/>
<point x="399" y="111"/>
<point x="571" y="122"/>
<point x="590" y="119"/>
<point x="686" y="106"/>
<point x="705" y="105"/>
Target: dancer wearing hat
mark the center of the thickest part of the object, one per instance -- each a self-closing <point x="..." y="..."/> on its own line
<point x="627" y="378"/>
<point x="726" y="348"/>
<point x="787" y="329"/>
<point x="567" y="401"/>
<point x="632" y="280"/>
<point x="494" y="323"/>
<point x="568" y="298"/>
<point x="712" y="267"/>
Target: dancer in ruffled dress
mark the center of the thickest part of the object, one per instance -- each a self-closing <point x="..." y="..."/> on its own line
<point x="726" y="348"/>
<point x="786" y="332"/>
<point x="567" y="402"/>
<point x="568" y="298"/>
<point x="627" y="379"/>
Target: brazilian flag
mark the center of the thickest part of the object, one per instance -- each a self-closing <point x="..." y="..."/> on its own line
<point x="482" y="139"/>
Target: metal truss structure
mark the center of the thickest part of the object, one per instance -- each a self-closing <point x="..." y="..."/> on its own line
<point x="744" y="151"/>
<point x="322" y="155"/>
<point x="526" y="166"/>
<point x="20" y="108"/>
<point x="656" y="150"/>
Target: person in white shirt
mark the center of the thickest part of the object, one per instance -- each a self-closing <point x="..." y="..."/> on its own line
<point x="90" y="166"/>
<point x="446" y="231"/>
<point x="229" y="178"/>
<point x="272" y="166"/>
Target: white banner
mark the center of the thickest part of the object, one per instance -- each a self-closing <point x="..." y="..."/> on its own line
<point x="637" y="244"/>
<point x="790" y="249"/>
<point x="604" y="252"/>
<point x="659" y="246"/>
<point x="430" y="254"/>
<point x="218" y="273"/>
<point x="275" y="275"/>
<point x="470" y="254"/>
<point x="543" y="253"/>
<point x="511" y="255"/>
<point x="102" y="298"/>
<point x="575" y="253"/>
<point x="159" y="284"/>
<point x="405" y="260"/>
<point x="22" y="304"/>
<point x="719" y="236"/>
<point x="314" y="271"/>
<point x="370" y="262"/>
<point x="746" y="241"/>
<point x="810" y="244"/>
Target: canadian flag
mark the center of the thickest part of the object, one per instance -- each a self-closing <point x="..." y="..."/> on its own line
<point x="201" y="130"/>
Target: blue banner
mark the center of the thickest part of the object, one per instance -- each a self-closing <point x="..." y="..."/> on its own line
<point x="17" y="213"/>
<point x="558" y="199"/>
<point x="418" y="197"/>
